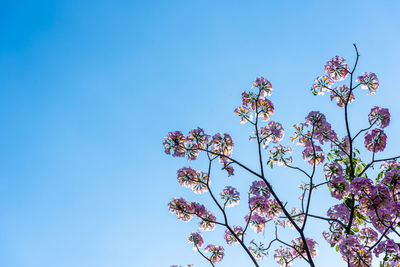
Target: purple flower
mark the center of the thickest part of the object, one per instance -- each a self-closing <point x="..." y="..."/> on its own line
<point x="217" y="253"/>
<point x="259" y="188"/>
<point x="181" y="208"/>
<point x="369" y="81"/>
<point x="264" y="85"/>
<point x="337" y="69"/>
<point x="379" y="116"/>
<point x="256" y="222"/>
<point x="230" y="238"/>
<point x="231" y="196"/>
<point x="321" y="85"/>
<point x="197" y="240"/>
<point x="175" y="143"/>
<point x="375" y="140"/>
<point x="360" y="184"/>
<point x="388" y="246"/>
<point x="341" y="94"/>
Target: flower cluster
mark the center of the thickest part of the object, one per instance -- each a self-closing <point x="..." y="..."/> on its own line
<point x="379" y="116"/>
<point x="337" y="69"/>
<point x="338" y="185"/>
<point x="369" y="82"/>
<point x="390" y="250"/>
<point x="217" y="253"/>
<point x="321" y="85"/>
<point x="315" y="128"/>
<point x="273" y="132"/>
<point x="375" y="140"/>
<point x="278" y="155"/>
<point x="196" y="239"/>
<point x="259" y="188"/>
<point x="262" y="208"/>
<point x="300" y="249"/>
<point x="231" y="196"/>
<point x="256" y="102"/>
<point x="342" y="95"/>
<point x="284" y="256"/>
<point x="264" y="85"/>
<point x="230" y="238"/>
<point x="185" y="211"/>
<point x="195" y="180"/>
<point x="258" y="250"/>
<point x="353" y="252"/>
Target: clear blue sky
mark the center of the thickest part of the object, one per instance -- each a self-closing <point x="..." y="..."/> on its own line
<point x="89" y="88"/>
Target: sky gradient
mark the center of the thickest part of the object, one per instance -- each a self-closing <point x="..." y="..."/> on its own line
<point x="89" y="89"/>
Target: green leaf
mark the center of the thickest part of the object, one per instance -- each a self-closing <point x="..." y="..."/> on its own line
<point x="337" y="248"/>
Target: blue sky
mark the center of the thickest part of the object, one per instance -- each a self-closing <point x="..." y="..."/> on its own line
<point x="89" y="89"/>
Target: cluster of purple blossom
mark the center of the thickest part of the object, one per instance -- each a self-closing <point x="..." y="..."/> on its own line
<point x="376" y="203"/>
<point x="220" y="145"/>
<point x="230" y="196"/>
<point x="262" y="208"/>
<point x="337" y="70"/>
<point x="256" y="102"/>
<point x="185" y="211"/>
<point x="230" y="239"/>
<point x="320" y="131"/>
<point x="272" y="132"/>
<point x="195" y="180"/>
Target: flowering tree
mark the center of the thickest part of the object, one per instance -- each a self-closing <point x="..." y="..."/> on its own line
<point x="365" y="222"/>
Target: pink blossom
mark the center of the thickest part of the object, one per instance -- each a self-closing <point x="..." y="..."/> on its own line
<point x="339" y="187"/>
<point x="278" y="155"/>
<point x="197" y="240"/>
<point x="367" y="236"/>
<point x="392" y="178"/>
<point x="300" y="248"/>
<point x="321" y="85"/>
<point x="360" y="184"/>
<point x="313" y="157"/>
<point x="273" y="132"/>
<point x="354" y="253"/>
<point x="217" y="253"/>
<point x="259" y="188"/>
<point x="195" y="180"/>
<point x="375" y="140"/>
<point x="332" y="169"/>
<point x="264" y="85"/>
<point x="230" y="238"/>
<point x="388" y="246"/>
<point x="284" y="256"/>
<point x="369" y="81"/>
<point x="339" y="212"/>
<point x="181" y="208"/>
<point x="222" y="144"/>
<point x="231" y="196"/>
<point x="265" y="108"/>
<point x="337" y="69"/>
<point x="244" y="113"/>
<point x="198" y="137"/>
<point x="175" y="143"/>
<point x="379" y="116"/>
<point x="274" y="210"/>
<point x="341" y="94"/>
<point x="259" y="204"/>
<point x="208" y="222"/>
<point x="256" y="222"/>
